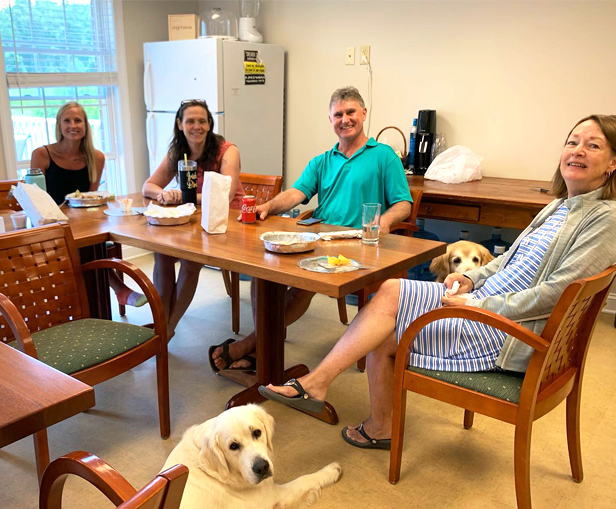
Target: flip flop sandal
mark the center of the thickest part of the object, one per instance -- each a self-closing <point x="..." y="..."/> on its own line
<point x="224" y="355"/>
<point x="252" y="366"/>
<point x="302" y="401"/>
<point x="372" y="443"/>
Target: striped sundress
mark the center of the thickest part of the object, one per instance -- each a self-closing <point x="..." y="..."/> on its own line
<point x="455" y="344"/>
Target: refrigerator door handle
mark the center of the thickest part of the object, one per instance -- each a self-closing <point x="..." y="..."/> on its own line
<point x="147" y="85"/>
<point x="150" y="134"/>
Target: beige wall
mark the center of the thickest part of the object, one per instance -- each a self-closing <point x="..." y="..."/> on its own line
<point x="507" y="79"/>
<point x="144" y="21"/>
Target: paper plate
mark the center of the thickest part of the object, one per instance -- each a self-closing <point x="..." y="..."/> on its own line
<point x="319" y="264"/>
<point x="120" y="212"/>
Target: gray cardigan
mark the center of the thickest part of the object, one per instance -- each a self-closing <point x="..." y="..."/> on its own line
<point x="583" y="247"/>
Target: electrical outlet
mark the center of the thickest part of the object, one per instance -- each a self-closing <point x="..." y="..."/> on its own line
<point x="349" y="56"/>
<point x="364" y="55"/>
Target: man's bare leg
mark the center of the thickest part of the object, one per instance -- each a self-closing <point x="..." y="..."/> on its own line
<point x="297" y="303"/>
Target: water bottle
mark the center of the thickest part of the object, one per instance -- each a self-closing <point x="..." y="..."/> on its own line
<point x="499" y="250"/>
<point x="410" y="160"/>
<point x="496" y="240"/>
<point x="422" y="272"/>
<point x="35" y="176"/>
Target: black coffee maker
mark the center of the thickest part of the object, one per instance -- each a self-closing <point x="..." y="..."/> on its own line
<point x="426" y="132"/>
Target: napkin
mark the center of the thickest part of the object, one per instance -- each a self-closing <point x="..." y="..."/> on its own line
<point x="346" y="234"/>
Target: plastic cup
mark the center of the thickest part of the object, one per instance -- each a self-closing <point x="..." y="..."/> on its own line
<point x="19" y="220"/>
<point x="126" y="204"/>
<point x="188" y="180"/>
<point x="370" y="219"/>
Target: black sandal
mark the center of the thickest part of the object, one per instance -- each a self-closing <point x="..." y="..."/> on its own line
<point x="301" y="402"/>
<point x="372" y="443"/>
<point x="224" y="355"/>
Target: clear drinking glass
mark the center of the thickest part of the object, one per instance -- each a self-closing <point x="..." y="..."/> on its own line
<point x="370" y="219"/>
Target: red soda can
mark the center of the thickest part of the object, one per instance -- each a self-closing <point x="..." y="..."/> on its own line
<point x="249" y="209"/>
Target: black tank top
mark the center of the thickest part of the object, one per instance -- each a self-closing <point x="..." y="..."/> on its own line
<point x="61" y="182"/>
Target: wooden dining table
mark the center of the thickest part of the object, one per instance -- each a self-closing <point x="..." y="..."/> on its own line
<point x="33" y="395"/>
<point x="241" y="250"/>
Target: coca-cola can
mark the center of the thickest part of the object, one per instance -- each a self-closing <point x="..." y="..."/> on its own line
<point x="249" y="209"/>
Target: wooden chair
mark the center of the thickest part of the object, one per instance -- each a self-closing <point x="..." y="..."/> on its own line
<point x="6" y="202"/>
<point x="263" y="188"/>
<point x="164" y="492"/>
<point x="42" y="276"/>
<point x="555" y="373"/>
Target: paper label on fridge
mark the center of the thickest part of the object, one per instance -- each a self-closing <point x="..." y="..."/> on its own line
<point x="254" y="68"/>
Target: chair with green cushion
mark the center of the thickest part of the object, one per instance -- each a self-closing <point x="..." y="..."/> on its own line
<point x="41" y="275"/>
<point x="554" y="374"/>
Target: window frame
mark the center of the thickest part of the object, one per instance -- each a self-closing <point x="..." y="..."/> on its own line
<point x="119" y="114"/>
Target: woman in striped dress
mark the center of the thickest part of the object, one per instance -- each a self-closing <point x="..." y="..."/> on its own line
<point x="571" y="238"/>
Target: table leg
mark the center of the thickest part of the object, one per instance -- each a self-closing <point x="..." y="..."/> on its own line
<point x="97" y="282"/>
<point x="270" y="329"/>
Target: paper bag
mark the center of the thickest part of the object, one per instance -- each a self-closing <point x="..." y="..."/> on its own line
<point x="456" y="165"/>
<point x="38" y="205"/>
<point x="215" y="202"/>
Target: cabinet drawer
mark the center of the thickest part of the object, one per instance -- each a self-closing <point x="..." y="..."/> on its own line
<point x="464" y="213"/>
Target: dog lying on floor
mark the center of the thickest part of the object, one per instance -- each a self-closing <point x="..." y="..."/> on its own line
<point x="230" y="465"/>
<point x="460" y="257"/>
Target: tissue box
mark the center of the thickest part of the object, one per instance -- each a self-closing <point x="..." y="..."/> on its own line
<point x="183" y="26"/>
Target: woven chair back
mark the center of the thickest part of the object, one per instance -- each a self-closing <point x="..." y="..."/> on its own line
<point x="572" y="323"/>
<point x="6" y="202"/>
<point x="40" y="273"/>
<point x="262" y="187"/>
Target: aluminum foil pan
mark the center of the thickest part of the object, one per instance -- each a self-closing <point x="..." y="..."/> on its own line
<point x="289" y="242"/>
<point x="89" y="199"/>
<point x="167" y="221"/>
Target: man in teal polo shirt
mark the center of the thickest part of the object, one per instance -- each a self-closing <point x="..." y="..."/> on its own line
<point x="356" y="170"/>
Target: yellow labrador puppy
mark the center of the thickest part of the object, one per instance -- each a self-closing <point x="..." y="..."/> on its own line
<point x="460" y="257"/>
<point x="230" y="465"/>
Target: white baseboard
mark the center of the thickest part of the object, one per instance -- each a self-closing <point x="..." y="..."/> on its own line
<point x="130" y="253"/>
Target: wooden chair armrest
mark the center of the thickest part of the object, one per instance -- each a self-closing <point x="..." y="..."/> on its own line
<point x="404" y="228"/>
<point x="18" y="326"/>
<point x="146" y="286"/>
<point x="89" y="467"/>
<point x="305" y="215"/>
<point x="403" y="352"/>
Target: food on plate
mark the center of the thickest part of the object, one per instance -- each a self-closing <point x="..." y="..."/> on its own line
<point x="162" y="212"/>
<point x="341" y="260"/>
<point x="89" y="195"/>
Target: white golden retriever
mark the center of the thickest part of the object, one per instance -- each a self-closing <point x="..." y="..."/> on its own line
<point x="460" y="257"/>
<point x="230" y="465"/>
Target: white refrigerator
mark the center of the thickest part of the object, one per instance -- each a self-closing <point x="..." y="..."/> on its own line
<point x="242" y="83"/>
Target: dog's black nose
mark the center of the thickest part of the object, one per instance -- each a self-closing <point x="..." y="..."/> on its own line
<point x="261" y="467"/>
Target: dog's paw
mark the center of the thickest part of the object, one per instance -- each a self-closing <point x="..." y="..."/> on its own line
<point x="331" y="473"/>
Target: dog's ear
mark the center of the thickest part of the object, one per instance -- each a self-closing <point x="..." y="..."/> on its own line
<point x="486" y="256"/>
<point x="268" y="426"/>
<point x="211" y="456"/>
<point x="440" y="266"/>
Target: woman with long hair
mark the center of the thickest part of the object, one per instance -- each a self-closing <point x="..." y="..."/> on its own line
<point x="193" y="137"/>
<point x="71" y="164"/>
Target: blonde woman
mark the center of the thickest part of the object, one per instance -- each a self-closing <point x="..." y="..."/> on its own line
<point x="72" y="163"/>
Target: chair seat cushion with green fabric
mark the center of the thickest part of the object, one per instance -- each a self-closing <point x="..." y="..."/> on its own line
<point x="77" y="345"/>
<point x="500" y="384"/>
